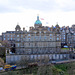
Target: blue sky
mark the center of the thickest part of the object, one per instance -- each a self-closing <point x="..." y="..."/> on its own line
<point x="25" y="12"/>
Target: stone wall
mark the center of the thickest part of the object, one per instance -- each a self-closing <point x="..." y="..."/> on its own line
<point x="14" y="58"/>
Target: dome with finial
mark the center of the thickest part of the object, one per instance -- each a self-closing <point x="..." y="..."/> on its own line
<point x="18" y="28"/>
<point x="38" y="21"/>
<point x="57" y="25"/>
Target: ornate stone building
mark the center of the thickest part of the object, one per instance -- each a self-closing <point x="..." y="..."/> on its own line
<point x="38" y="40"/>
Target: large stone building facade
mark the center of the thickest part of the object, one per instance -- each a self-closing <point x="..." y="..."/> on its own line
<point x="38" y="42"/>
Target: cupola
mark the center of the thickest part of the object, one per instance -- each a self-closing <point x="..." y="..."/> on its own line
<point x="37" y="22"/>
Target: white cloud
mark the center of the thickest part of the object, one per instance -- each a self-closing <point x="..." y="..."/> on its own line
<point x="65" y="5"/>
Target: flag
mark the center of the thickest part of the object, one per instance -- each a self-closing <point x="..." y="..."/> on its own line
<point x="46" y="22"/>
<point x="42" y="18"/>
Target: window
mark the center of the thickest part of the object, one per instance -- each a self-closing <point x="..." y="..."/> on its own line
<point x="18" y="44"/>
<point x="29" y="35"/>
<point x="8" y="35"/>
<point x="45" y="37"/>
<point x="11" y="38"/>
<point x="40" y="32"/>
<point x="18" y="39"/>
<point x="8" y="38"/>
<point x="4" y="38"/>
<point x="50" y="38"/>
<point x="40" y="37"/>
<point x="11" y="35"/>
<point x="29" y="39"/>
<point x="64" y="37"/>
<point x="63" y="30"/>
<point x="57" y="38"/>
<point x="29" y="44"/>
<point x="17" y="35"/>
<point x="57" y="35"/>
<point x="4" y="35"/>
<point x="14" y="38"/>
<point x="51" y="35"/>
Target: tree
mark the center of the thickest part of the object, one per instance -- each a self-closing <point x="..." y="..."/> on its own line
<point x="1" y="62"/>
<point x="23" y="62"/>
<point x="3" y="46"/>
<point x="44" y="68"/>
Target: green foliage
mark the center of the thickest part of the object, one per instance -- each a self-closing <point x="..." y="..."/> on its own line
<point x="64" y="67"/>
<point x="1" y="62"/>
<point x="4" y="58"/>
<point x="2" y="51"/>
<point x="58" y="69"/>
<point x="23" y="62"/>
<point x="68" y="68"/>
<point x="65" y="48"/>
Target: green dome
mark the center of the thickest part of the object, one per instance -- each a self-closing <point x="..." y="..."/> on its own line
<point x="38" y="21"/>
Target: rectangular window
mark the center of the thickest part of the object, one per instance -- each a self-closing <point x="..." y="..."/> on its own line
<point x="11" y="38"/>
<point x="4" y="38"/>
<point x="8" y="38"/>
<point x="51" y="35"/>
<point x="45" y="37"/>
<point x="57" y="38"/>
<point x="57" y="35"/>
<point x="11" y="35"/>
<point x="4" y="35"/>
<point x="18" y="39"/>
<point x="50" y="38"/>
<point x="8" y="35"/>
<point x="17" y="35"/>
<point x="18" y="44"/>
<point x="14" y="35"/>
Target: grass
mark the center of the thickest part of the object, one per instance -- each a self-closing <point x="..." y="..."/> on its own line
<point x="68" y="68"/>
<point x="65" y="48"/>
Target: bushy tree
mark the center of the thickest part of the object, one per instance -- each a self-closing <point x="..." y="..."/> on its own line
<point x="23" y="62"/>
<point x="3" y="46"/>
<point x="1" y="62"/>
<point x="44" y="68"/>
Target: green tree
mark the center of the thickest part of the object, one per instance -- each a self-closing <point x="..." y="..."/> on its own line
<point x="1" y="62"/>
<point x="44" y="68"/>
<point x="23" y="62"/>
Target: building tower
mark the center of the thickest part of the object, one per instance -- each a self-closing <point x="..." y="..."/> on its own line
<point x="37" y="23"/>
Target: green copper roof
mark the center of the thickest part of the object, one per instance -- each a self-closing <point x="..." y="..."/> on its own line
<point x="38" y="21"/>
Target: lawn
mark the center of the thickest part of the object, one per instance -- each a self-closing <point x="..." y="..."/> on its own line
<point x="65" y="48"/>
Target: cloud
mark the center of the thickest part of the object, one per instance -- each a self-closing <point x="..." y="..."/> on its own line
<point x="41" y="5"/>
<point x="65" y="5"/>
<point x="14" y="5"/>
